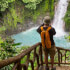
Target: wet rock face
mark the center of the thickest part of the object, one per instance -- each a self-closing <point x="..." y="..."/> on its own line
<point x="22" y="27"/>
<point x="67" y="29"/>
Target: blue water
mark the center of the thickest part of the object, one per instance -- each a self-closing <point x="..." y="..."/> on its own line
<point x="31" y="37"/>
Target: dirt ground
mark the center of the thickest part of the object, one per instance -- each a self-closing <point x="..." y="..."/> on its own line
<point x="65" y="67"/>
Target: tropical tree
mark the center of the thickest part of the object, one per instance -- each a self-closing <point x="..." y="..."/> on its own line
<point x="5" y="4"/>
<point x="31" y="4"/>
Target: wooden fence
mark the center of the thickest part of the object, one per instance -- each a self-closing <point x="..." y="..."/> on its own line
<point x="37" y="56"/>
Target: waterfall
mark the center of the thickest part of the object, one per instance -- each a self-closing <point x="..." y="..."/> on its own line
<point x="58" y="22"/>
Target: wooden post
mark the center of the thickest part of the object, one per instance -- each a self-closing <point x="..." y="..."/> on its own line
<point x="32" y="64"/>
<point x="61" y="57"/>
<point x="41" y="59"/>
<point x="58" y="57"/>
<point x="27" y="61"/>
<point x="65" y="56"/>
<point x="24" y="67"/>
<point x="19" y="67"/>
<point x="37" y="60"/>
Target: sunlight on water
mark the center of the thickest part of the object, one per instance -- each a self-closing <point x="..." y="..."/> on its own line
<point x="31" y="37"/>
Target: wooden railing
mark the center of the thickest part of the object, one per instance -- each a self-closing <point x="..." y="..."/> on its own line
<point x="62" y="54"/>
<point x="37" y="56"/>
<point x="16" y="60"/>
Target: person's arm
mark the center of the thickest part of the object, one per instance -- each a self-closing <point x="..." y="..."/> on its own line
<point x="39" y="29"/>
<point x="52" y="31"/>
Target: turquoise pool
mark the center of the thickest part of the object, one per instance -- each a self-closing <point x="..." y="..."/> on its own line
<point x="31" y="37"/>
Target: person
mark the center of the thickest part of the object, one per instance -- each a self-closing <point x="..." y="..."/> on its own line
<point x="51" y="51"/>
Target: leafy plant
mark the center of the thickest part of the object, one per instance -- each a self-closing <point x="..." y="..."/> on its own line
<point x="8" y="48"/>
<point x="67" y="18"/>
<point x="2" y="28"/>
<point x="1" y="41"/>
<point x="31" y="4"/>
<point x="68" y="37"/>
<point x="5" y="4"/>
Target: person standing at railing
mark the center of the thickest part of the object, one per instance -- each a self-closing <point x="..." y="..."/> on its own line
<point x="46" y="32"/>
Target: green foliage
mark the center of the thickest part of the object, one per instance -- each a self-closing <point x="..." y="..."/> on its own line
<point x="5" y="4"/>
<point x="20" y="13"/>
<point x="7" y="48"/>
<point x="17" y="11"/>
<point x="2" y="28"/>
<point x="67" y="18"/>
<point x="9" y="67"/>
<point x="68" y="37"/>
<point x="1" y="41"/>
<point x="41" y="9"/>
<point x="31" y="4"/>
<point x="12" y="17"/>
<point x="51" y="7"/>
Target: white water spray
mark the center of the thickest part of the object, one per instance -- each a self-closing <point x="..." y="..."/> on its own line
<point x="58" y="22"/>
